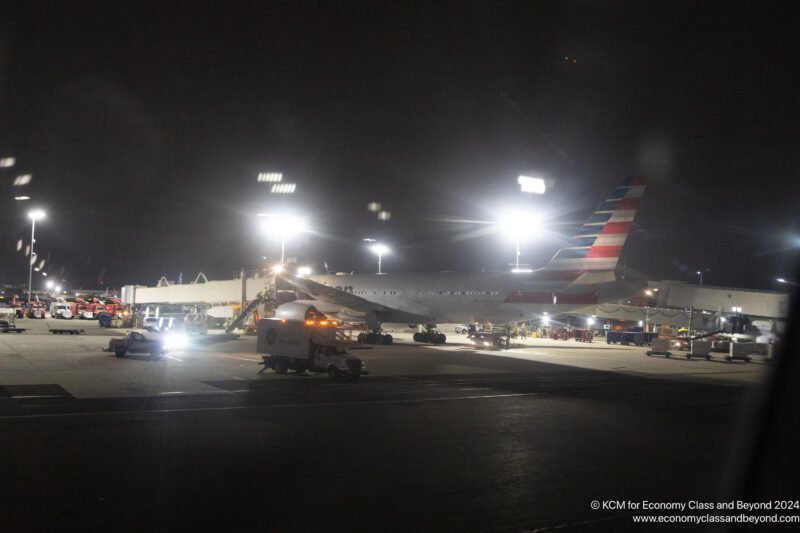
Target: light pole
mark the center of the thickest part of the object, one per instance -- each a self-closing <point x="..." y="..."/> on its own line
<point x="380" y="249"/>
<point x="33" y="215"/>
<point x="700" y="273"/>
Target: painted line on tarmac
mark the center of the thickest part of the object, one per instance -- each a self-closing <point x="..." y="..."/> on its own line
<point x="242" y="358"/>
<point x="271" y="406"/>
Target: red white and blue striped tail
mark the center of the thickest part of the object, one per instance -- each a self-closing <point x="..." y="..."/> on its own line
<point x="598" y="244"/>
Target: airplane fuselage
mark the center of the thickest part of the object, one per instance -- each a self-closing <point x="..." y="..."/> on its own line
<point x="496" y="297"/>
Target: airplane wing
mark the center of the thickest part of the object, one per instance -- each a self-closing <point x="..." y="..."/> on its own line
<point x="355" y="304"/>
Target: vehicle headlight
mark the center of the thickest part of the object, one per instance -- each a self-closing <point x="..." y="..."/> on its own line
<point x="176" y="341"/>
<point x="486" y="343"/>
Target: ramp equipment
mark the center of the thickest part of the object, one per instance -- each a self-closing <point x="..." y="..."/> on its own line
<point x="66" y="331"/>
<point x="659" y="347"/>
<point x="245" y="312"/>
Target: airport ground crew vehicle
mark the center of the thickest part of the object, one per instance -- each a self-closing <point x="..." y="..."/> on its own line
<point x="311" y="344"/>
<point x="638" y="338"/>
<point x="60" y="309"/>
<point x="136" y="342"/>
<point x="583" y="335"/>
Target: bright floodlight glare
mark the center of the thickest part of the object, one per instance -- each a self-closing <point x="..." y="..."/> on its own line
<point x="22" y="198"/>
<point x="379" y="249"/>
<point x="590" y="321"/>
<point x="384" y="215"/>
<point x="648" y="292"/>
<point x="303" y="271"/>
<point x="283" y="188"/>
<point x="57" y="288"/>
<point x="374" y="207"/>
<point x="531" y="185"/>
<point x="270" y="177"/>
<point x="7" y="162"/>
<point x="519" y="224"/>
<point x="49" y="284"/>
<point x="521" y="270"/>
<point x="277" y="269"/>
<point x="176" y="341"/>
<point x="21" y="180"/>
<point x="282" y="226"/>
<point x="780" y="280"/>
<point x="36" y="214"/>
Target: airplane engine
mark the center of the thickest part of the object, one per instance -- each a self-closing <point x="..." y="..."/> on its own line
<point x="299" y="310"/>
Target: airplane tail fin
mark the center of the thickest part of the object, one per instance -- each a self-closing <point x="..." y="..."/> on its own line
<point x="598" y="243"/>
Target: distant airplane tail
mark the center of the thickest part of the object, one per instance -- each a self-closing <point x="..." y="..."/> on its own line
<point x="597" y="245"/>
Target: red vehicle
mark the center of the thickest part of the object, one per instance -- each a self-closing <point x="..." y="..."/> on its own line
<point x="559" y="334"/>
<point x="36" y="309"/>
<point x="18" y="306"/>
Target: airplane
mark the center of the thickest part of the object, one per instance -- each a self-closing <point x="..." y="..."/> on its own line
<point x="580" y="275"/>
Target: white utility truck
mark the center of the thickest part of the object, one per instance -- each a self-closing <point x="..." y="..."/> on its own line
<point x="307" y="344"/>
<point x="60" y="310"/>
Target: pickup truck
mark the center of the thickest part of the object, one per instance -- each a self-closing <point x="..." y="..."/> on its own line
<point x="136" y="342"/>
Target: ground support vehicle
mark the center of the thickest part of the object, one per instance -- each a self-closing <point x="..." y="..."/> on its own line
<point x="742" y="351"/>
<point x="583" y="335"/>
<point x="638" y="338"/>
<point x="659" y="346"/>
<point x="66" y="331"/>
<point x="8" y="324"/>
<point x="107" y="320"/>
<point x="302" y="345"/>
<point x="559" y="334"/>
<point x="36" y="310"/>
<point x="136" y="342"/>
<point x="375" y="337"/>
<point x="488" y="340"/>
<point x="431" y="336"/>
<point x="60" y="310"/>
<point x="700" y="348"/>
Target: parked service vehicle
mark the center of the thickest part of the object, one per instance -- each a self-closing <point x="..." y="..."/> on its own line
<point x="302" y="345"/>
<point x="36" y="310"/>
<point x="487" y="340"/>
<point x="60" y="310"/>
<point x="461" y="328"/>
<point x="137" y="342"/>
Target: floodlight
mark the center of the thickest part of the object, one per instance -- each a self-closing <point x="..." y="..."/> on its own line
<point x="380" y="249"/>
<point x="531" y="185"/>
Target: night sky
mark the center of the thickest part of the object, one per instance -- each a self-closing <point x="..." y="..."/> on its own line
<point x="145" y="125"/>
